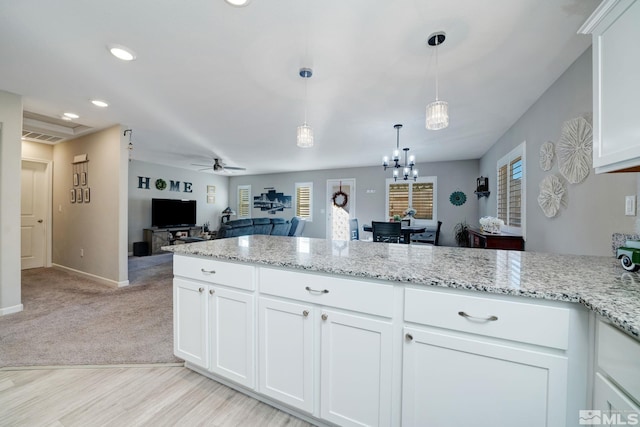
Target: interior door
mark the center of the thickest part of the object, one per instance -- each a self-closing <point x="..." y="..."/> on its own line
<point x="341" y="207"/>
<point x="34" y="214"/>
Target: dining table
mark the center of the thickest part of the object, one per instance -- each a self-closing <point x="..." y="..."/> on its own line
<point x="406" y="230"/>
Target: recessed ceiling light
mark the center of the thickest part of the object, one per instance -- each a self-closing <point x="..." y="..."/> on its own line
<point x="71" y="115"/>
<point x="121" y="52"/>
<point x="238" y="3"/>
<point x="99" y="103"/>
<point x="66" y="118"/>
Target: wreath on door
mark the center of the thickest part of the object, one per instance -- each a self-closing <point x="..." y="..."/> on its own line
<point x="340" y="198"/>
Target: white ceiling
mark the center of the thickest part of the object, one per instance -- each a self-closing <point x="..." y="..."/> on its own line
<point x="211" y="80"/>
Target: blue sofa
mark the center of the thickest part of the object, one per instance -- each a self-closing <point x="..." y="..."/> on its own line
<point x="244" y="227"/>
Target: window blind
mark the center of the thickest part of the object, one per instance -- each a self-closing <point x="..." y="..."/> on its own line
<point x="303" y="201"/>
<point x="244" y="202"/>
<point x="398" y="199"/>
<point x="422" y="199"/>
<point x="502" y="193"/>
<point x="515" y="192"/>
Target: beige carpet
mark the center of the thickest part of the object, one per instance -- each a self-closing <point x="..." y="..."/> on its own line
<point x="70" y="320"/>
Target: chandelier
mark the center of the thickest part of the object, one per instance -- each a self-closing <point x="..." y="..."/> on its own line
<point x="437" y="111"/>
<point x="305" y="132"/>
<point x="409" y="161"/>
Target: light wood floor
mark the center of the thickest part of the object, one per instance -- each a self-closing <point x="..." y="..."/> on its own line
<point x="128" y="396"/>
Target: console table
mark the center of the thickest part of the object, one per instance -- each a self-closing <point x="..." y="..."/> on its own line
<point x="159" y="237"/>
<point x="480" y="239"/>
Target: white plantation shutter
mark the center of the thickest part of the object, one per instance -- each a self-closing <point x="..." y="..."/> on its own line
<point x="511" y="189"/>
<point x="304" y="195"/>
<point x="244" y="201"/>
<point x="420" y="195"/>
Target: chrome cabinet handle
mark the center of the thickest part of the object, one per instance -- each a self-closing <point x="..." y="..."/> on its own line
<point x="211" y="292"/>
<point x="324" y="316"/>
<point x="409" y="337"/>
<point x="305" y="313"/>
<point x="201" y="290"/>
<point x="208" y="271"/>
<point x="482" y="319"/>
<point x="323" y="291"/>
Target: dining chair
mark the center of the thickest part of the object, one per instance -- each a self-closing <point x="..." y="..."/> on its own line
<point x="388" y="232"/>
<point x="353" y="229"/>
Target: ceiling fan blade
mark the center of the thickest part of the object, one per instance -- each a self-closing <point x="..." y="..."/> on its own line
<point x="196" y="164"/>
<point x="234" y="168"/>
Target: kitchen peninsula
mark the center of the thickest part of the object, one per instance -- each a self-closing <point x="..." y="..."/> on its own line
<point x="360" y="333"/>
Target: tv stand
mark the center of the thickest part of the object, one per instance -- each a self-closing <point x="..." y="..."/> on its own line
<point x="159" y="237"/>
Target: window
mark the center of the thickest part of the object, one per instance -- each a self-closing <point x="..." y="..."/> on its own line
<point x="511" y="190"/>
<point x="420" y="195"/>
<point x="244" y="201"/>
<point x="304" y="200"/>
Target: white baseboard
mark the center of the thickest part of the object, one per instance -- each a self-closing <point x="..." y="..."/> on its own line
<point x="99" y="279"/>
<point x="11" y="310"/>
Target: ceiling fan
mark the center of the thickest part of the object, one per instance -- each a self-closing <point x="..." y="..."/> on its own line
<point x="219" y="166"/>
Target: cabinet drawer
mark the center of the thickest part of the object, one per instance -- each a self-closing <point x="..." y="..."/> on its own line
<point x="619" y="357"/>
<point x="356" y="295"/>
<point x="528" y="323"/>
<point x="209" y="270"/>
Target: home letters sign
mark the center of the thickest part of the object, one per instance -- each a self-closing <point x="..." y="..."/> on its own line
<point x="144" y="183"/>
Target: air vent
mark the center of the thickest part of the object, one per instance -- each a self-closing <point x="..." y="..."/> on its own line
<point x="49" y="130"/>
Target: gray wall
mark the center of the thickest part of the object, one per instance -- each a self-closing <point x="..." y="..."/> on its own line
<point x="10" y="167"/>
<point x="370" y="193"/>
<point x="595" y="207"/>
<point x="99" y="227"/>
<point x="140" y="198"/>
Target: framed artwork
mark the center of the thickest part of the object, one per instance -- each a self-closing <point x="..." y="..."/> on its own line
<point x="75" y="180"/>
<point x="86" y="195"/>
<point x="83" y="178"/>
<point x="211" y="189"/>
<point x="73" y="196"/>
<point x="78" y="195"/>
<point x="211" y="198"/>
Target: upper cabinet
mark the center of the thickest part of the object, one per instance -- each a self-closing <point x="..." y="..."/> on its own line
<point x="615" y="26"/>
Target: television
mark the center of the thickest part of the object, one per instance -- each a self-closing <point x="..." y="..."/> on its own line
<point x="172" y="213"/>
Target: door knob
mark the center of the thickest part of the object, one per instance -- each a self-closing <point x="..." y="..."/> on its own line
<point x="40" y="221"/>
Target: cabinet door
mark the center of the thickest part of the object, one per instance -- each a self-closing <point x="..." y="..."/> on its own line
<point x="449" y="380"/>
<point x="615" y="407"/>
<point x="190" y="322"/>
<point x="286" y="352"/>
<point x="232" y="335"/>
<point x="356" y="368"/>
<point x="616" y="141"/>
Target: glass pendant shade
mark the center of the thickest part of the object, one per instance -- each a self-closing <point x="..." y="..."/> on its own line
<point x="305" y="136"/>
<point x="437" y="115"/>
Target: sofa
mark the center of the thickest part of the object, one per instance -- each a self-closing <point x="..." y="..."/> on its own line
<point x="269" y="226"/>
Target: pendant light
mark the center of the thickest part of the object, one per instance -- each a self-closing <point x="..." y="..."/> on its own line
<point x="437" y="111"/>
<point x="409" y="161"/>
<point x="305" y="132"/>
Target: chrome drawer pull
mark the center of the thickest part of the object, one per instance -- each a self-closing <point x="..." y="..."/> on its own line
<point x="324" y="316"/>
<point x="201" y="290"/>
<point x="305" y="313"/>
<point x="211" y="292"/>
<point x="208" y="271"/>
<point x="409" y="337"/>
<point x="323" y="291"/>
<point x="481" y="319"/>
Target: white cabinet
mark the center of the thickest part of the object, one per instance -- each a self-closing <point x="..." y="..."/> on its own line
<point x="311" y="351"/>
<point x="484" y="362"/>
<point x="214" y="324"/>
<point x="231" y="335"/>
<point x="616" y="32"/>
<point x="451" y="380"/>
<point x="356" y="358"/>
<point x="190" y="328"/>
<point x="616" y="389"/>
<point x="286" y="352"/>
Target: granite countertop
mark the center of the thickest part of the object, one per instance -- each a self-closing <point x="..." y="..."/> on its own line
<point x="599" y="283"/>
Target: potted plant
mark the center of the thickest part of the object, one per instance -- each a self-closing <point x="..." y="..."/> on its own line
<point x="461" y="234"/>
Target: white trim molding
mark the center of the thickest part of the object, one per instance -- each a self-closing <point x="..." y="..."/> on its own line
<point x="10" y="310"/>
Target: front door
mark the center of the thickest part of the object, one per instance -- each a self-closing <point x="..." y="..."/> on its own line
<point x="33" y="212"/>
<point x="341" y="207"/>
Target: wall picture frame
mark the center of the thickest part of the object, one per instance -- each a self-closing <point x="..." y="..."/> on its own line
<point x="83" y="178"/>
<point x="76" y="180"/>
<point x="73" y="196"/>
<point x="78" y="195"/>
<point x="87" y="195"/>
